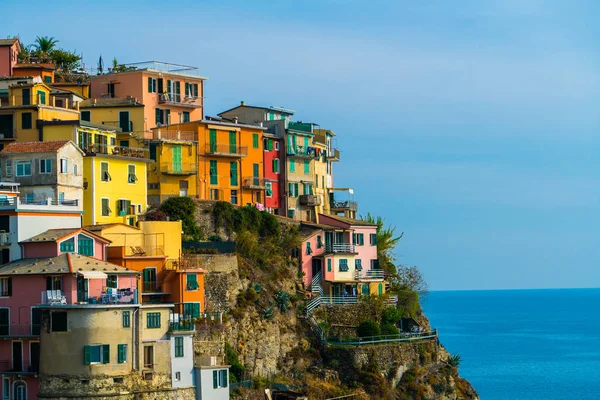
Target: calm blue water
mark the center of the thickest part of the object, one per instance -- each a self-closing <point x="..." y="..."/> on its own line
<point x="523" y="344"/>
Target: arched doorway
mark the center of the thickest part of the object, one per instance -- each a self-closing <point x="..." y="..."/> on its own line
<point x="19" y="390"/>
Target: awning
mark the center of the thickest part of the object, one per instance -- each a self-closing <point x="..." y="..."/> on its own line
<point x="92" y="274"/>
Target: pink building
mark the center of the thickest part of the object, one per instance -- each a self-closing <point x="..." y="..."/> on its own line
<point x="54" y="277"/>
<point x="9" y="53"/>
<point x="272" y="165"/>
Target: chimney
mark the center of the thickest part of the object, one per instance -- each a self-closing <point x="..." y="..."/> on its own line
<point x="243" y="102"/>
<point x="235" y="120"/>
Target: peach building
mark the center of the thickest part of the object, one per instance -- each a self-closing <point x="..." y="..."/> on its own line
<point x="9" y="53"/>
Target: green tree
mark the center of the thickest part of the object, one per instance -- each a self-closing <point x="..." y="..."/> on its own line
<point x="65" y="61"/>
<point x="409" y="278"/>
<point x="386" y="242"/>
<point x="44" y="46"/>
<point x="183" y="209"/>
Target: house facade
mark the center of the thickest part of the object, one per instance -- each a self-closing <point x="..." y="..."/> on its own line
<point x="9" y="55"/>
<point x="272" y="149"/>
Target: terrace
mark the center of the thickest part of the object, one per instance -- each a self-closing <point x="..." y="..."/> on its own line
<point x="165" y="134"/>
<point x="226" y="150"/>
<point x="121" y="151"/>
<point x="254" y="182"/>
<point x="179" y="168"/>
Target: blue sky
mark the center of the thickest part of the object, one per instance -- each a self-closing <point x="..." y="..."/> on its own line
<point x="473" y="126"/>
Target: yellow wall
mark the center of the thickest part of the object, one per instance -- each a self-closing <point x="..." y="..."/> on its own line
<point x="82" y="90"/>
<point x="172" y="233"/>
<point x="110" y="116"/>
<point x="163" y="173"/>
<point x="117" y="188"/>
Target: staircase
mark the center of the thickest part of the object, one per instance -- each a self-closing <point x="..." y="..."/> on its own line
<point x="315" y="285"/>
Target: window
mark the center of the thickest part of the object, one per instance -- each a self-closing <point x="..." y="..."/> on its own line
<point x="374" y="264"/>
<point x="105" y="207"/>
<point x="131" y="178"/>
<point x="212" y="140"/>
<point x="343" y="265"/>
<point x="255" y="140"/>
<point x="220" y="376"/>
<point x="5" y="287"/>
<point x="191" y="282"/>
<point x="308" y="188"/>
<point x="186" y="116"/>
<point x="214" y="178"/>
<point x="329" y="265"/>
<point x="178" y="346"/>
<point x="41" y="97"/>
<point x="26" y="96"/>
<point x="358" y="264"/>
<point x="96" y="354"/>
<point x="26" y="121"/>
<point x="67" y="246"/>
<point x="148" y="356"/>
<point x="23" y="168"/>
<point x="29" y="198"/>
<point x="269" y="189"/>
<point x="306" y="167"/>
<point x="124" y="207"/>
<point x="373" y="239"/>
<point x="20" y="391"/>
<point x="86" y="116"/>
<point x="8" y="168"/>
<point x="75" y="170"/>
<point x="104" y="174"/>
<point x="59" y="321"/>
<point x="45" y="166"/>
<point x="233" y="173"/>
<point x="122" y="353"/>
<point x="319" y="242"/>
<point x="358" y="239"/>
<point x="232" y="142"/>
<point x="177" y="376"/>
<point x="53" y="283"/>
<point x="126" y="319"/>
<point x="308" y="249"/>
<point x="291" y="212"/>
<point x="276" y="165"/>
<point x="292" y="165"/>
<point x="4" y="321"/>
<point x="293" y="189"/>
<point x="64" y="167"/>
<point x="153" y="320"/>
<point x="191" y="310"/>
<point x="112" y="281"/>
<point x="5" y="388"/>
<point x="234" y="197"/>
<point x="277" y="146"/>
<point x="85" y="245"/>
<point x="151" y="85"/>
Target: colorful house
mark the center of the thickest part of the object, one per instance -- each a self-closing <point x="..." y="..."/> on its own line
<point x="175" y="169"/>
<point x="80" y="88"/>
<point x="170" y="93"/>
<point x="272" y="164"/>
<point x="9" y="55"/>
<point x="45" y="71"/>
<point x="47" y="172"/>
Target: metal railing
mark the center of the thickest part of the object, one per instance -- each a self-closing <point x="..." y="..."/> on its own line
<point x="16" y="201"/>
<point x="150" y="286"/>
<point x="118" y="124"/>
<point x="374" y="274"/>
<point x="144" y="251"/>
<point x="165" y="134"/>
<point x="181" y="326"/>
<point x="315" y="284"/>
<point x="349" y="205"/>
<point x="166" y="67"/>
<point x="301" y="151"/>
<point x="309" y="200"/>
<point x="226" y="150"/>
<point x="180" y="100"/>
<point x="6" y="366"/>
<point x="172" y="168"/>
<point x="19" y="330"/>
<point x="254" y="182"/>
<point x="93" y="149"/>
<point x="399" y="338"/>
<point x="335" y="300"/>
<point x="340" y="248"/>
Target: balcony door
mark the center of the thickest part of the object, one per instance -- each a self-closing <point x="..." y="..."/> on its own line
<point x="176" y="152"/>
<point x="35" y="356"/>
<point x="316" y="266"/>
<point x="17" y="356"/>
<point x="124" y="122"/>
<point x="82" y="289"/>
<point x="339" y="238"/>
<point x="149" y="279"/>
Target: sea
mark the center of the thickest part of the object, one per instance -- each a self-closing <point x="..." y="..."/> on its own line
<point x="522" y="344"/>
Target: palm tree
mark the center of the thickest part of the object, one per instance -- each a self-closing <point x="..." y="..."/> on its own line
<point x="386" y="242"/>
<point x="45" y="44"/>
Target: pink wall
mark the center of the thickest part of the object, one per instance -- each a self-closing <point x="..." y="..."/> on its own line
<point x="8" y="58"/>
<point x="269" y="156"/>
<point x="306" y="260"/>
<point x="69" y="285"/>
<point x="36" y="250"/>
<point x="329" y="275"/>
<point x="366" y="252"/>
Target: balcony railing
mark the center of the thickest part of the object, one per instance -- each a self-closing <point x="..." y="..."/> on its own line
<point x="125" y="127"/>
<point x="150" y="286"/>
<point x="38" y="204"/>
<point x="25" y="367"/>
<point x="165" y="134"/>
<point x="335" y="156"/>
<point x="300" y="126"/>
<point x="302" y="152"/>
<point x="144" y="251"/>
<point x="227" y="150"/>
<point x="254" y="183"/>
<point x="309" y="200"/>
<point x="171" y="168"/>
<point x="339" y="248"/>
<point x="344" y="205"/>
<point x="180" y="326"/>
<point x="373" y="274"/>
<point x="94" y="149"/>
<point x="180" y="100"/>
<point x="19" y="330"/>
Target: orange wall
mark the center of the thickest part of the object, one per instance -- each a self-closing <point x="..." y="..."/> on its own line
<point x="176" y="286"/>
<point x="34" y="72"/>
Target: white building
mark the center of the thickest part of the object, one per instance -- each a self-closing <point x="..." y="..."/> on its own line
<point x="212" y="379"/>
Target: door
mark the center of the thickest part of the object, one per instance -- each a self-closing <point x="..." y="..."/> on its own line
<point x="148" y="357"/>
<point x="124" y="122"/>
<point x="232" y="142"/>
<point x="4" y="322"/>
<point x="339" y="238"/>
<point x="17" y="355"/>
<point x="6" y="126"/>
<point x="149" y="280"/>
<point x="328" y="239"/>
<point x="82" y="289"/>
<point x="177" y="167"/>
<point x="316" y="266"/>
<point x="35" y="356"/>
<point x="36" y="321"/>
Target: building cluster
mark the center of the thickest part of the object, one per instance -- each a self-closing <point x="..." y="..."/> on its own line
<point x="93" y="295"/>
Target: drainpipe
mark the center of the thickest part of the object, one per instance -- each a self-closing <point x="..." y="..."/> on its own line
<point x="135" y="341"/>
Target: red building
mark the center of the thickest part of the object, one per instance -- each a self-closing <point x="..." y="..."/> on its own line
<point x="272" y="164"/>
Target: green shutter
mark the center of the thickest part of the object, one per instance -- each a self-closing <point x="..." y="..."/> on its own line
<point x="195" y="90"/>
<point x="232" y="142"/>
<point x="305" y="145"/>
<point x="380" y="289"/>
<point x="329" y="265"/>
<point x="307" y="167"/>
<point x="86" y="355"/>
<point x="176" y="153"/>
<point x="255" y="140"/>
<point x="292" y="165"/>
<point x="213" y="140"/>
<point x="149" y="85"/>
<point x="215" y="380"/>
<point x="105" y="354"/>
<point x="121" y="353"/>
<point x="223" y="373"/>
<point x="233" y="173"/>
<point x="270" y="144"/>
<point x="275" y="165"/>
<point x="214" y="176"/>
<point x="157" y="116"/>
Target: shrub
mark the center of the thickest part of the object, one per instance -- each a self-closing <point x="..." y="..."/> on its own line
<point x="156" y="215"/>
<point x="231" y="358"/>
<point x="389" y="329"/>
<point x="391" y="315"/>
<point x="454" y="360"/>
<point x="368" y="328"/>
<point x="251" y="295"/>
<point x="215" y="238"/>
<point x="182" y="209"/>
<point x="408" y="302"/>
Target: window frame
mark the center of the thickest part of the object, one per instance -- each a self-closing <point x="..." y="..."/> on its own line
<point x="64" y="170"/>
<point x="107" y="172"/>
<point x="103" y="209"/>
<point x="178" y="345"/>
<point x="30" y="122"/>
<point x="131" y="177"/>
<point x="45" y="166"/>
<point x="126" y="319"/>
<point x="6" y="286"/>
<point x="153" y="320"/>
<point x="23" y="164"/>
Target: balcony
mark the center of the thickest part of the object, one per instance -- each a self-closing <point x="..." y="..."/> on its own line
<point x="254" y="183"/>
<point x="101" y="296"/>
<point x="300" y="127"/>
<point x="309" y="200"/>
<point x="18" y="367"/>
<point x="150" y="287"/>
<point x="19" y="330"/>
<point x="182" y="326"/>
<point x="171" y="168"/>
<point x="370" y="275"/>
<point x="226" y="150"/>
<point x="165" y="134"/>
<point x="340" y="248"/>
<point x="335" y="156"/>
<point x="121" y="151"/>
<point x="302" y="152"/>
<point x="124" y="126"/>
<point x="173" y="99"/>
<point x="344" y="205"/>
<point x="49" y="204"/>
<point x="144" y="251"/>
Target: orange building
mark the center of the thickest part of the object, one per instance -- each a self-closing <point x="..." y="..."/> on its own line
<point x="230" y="160"/>
<point x="43" y="70"/>
<point x="165" y="276"/>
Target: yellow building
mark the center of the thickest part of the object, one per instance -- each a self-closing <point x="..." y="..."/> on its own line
<point x="28" y="104"/>
<point x="124" y="113"/>
<point x="82" y="89"/>
<point x="175" y="168"/>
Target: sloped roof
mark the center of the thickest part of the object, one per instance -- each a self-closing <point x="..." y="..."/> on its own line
<point x="349" y="221"/>
<point x="111" y="102"/>
<point x="35" y="147"/>
<point x="53" y="235"/>
<point x="8" y="42"/>
<point x="63" y="264"/>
